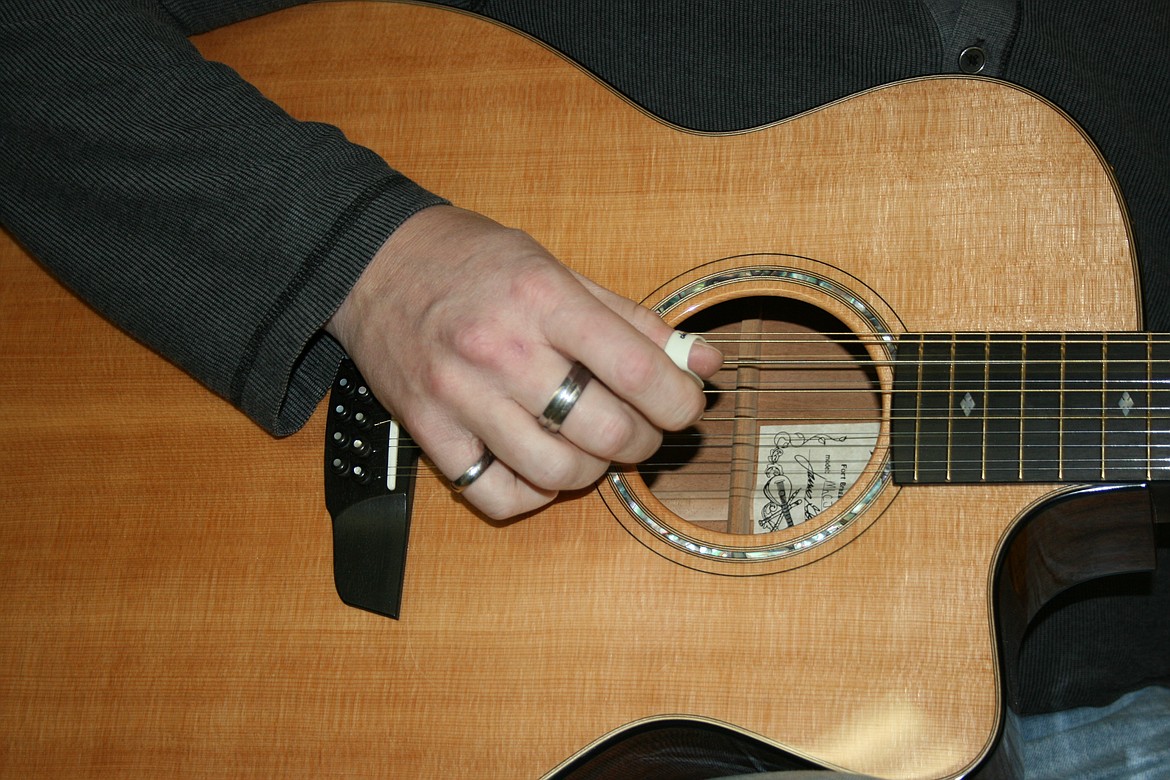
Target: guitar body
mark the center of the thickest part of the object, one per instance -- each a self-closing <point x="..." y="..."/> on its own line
<point x="168" y="605"/>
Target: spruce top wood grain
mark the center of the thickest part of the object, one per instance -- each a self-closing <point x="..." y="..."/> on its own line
<point x="167" y="603"/>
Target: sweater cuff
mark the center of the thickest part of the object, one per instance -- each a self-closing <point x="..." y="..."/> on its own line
<point x="290" y="362"/>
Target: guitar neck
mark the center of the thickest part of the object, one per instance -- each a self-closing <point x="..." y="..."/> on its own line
<point x="1031" y="407"/>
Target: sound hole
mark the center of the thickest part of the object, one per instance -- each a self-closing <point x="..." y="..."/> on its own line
<point x="791" y="420"/>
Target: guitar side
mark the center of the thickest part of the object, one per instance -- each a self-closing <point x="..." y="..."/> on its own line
<point x="176" y="611"/>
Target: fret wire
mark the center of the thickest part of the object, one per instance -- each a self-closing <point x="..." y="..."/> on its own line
<point x="1149" y="403"/>
<point x="986" y="416"/>
<point x="1023" y="407"/>
<point x="1104" y="399"/>
<point x="1060" y="417"/>
<point x="918" y="411"/>
<point x="951" y="405"/>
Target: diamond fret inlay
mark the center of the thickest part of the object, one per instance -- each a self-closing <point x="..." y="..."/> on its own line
<point x="1031" y="407"/>
<point x="1125" y="404"/>
<point x="967" y="404"/>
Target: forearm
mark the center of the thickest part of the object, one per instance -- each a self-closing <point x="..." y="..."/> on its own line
<point x="182" y="204"/>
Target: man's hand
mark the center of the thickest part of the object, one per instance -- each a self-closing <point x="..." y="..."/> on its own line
<point x="465" y="330"/>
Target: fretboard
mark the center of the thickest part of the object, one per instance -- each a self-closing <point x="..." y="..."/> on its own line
<point x="1035" y="407"/>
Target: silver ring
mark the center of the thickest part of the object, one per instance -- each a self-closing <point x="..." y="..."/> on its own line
<point x="465" y="480"/>
<point x="565" y="398"/>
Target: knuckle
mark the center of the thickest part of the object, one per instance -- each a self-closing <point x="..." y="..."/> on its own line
<point x="638" y="373"/>
<point x="593" y="473"/>
<point x="687" y="412"/>
<point x="490" y="345"/>
<point x="651" y="446"/>
<point x="570" y="472"/>
<point x="537" y="284"/>
<point x="437" y="379"/>
<point x="555" y="474"/>
<point x="613" y="435"/>
<point x="475" y="341"/>
<point x="587" y="476"/>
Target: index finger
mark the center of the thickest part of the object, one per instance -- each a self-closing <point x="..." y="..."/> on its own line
<point x="629" y="360"/>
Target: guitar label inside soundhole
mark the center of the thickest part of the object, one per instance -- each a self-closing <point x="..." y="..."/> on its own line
<point x="792" y="420"/>
<point x="804" y="469"/>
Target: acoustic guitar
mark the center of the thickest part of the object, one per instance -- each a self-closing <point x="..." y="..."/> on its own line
<point x="928" y="298"/>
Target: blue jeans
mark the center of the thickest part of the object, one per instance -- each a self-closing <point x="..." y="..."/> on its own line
<point x="1128" y="740"/>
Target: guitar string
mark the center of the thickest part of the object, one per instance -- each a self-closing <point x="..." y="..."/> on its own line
<point x="1070" y="462"/>
<point x="941" y="336"/>
<point x="1051" y="385"/>
<point x="1006" y="473"/>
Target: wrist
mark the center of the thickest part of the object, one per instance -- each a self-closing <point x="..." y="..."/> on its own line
<point x="375" y="281"/>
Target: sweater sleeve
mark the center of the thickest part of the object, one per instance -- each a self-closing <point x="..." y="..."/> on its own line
<point x="182" y="204"/>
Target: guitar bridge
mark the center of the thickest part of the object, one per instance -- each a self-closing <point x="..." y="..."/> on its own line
<point x="369" y="486"/>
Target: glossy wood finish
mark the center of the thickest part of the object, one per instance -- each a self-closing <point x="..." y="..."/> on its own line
<point x="167" y="603"/>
